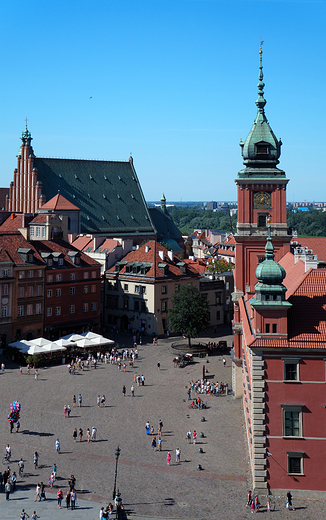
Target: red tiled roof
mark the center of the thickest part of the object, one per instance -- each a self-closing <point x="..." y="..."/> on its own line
<point x="200" y="267"/>
<point x="294" y="272"/>
<point x="42" y="218"/>
<point x="59" y="203"/>
<point x="109" y="244"/>
<point x="81" y="242"/>
<point x="14" y="222"/>
<point x="46" y="246"/>
<point x="152" y="256"/>
<point x="317" y="244"/>
<point x="14" y="240"/>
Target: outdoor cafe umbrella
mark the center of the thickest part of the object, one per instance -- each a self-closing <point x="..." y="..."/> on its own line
<point x="63" y="342"/>
<point x="72" y="337"/>
<point x="52" y="347"/>
<point x="84" y="343"/>
<point x="40" y="342"/>
<point x="90" y="335"/>
<point x="100" y="340"/>
<point x="20" y="345"/>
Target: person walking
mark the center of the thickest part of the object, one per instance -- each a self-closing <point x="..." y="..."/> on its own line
<point x="289" y="501"/>
<point x="13" y="481"/>
<point x="57" y="446"/>
<point x="68" y="499"/>
<point x="7" y="489"/>
<point x="194" y="437"/>
<point x="59" y="497"/>
<point x="98" y="401"/>
<point x="73" y="499"/>
<point x="68" y="410"/>
<point x="74" y="434"/>
<point x="159" y="442"/>
<point x="94" y="430"/>
<point x="81" y="433"/>
<point x="42" y="495"/>
<point x="177" y="455"/>
<point x="74" y="401"/>
<point x="36" y="375"/>
<point x="35" y="460"/>
<point x="88" y="434"/>
<point x="154" y="443"/>
<point x="132" y="391"/>
<point x="23" y="515"/>
<point x="38" y="492"/>
<point x="168" y="458"/>
<point x="103" y="400"/>
<point x="124" y="390"/>
<point x="80" y="400"/>
<point x="224" y="362"/>
<point x="34" y="516"/>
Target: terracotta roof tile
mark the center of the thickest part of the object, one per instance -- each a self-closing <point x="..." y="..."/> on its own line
<point x="14" y="222"/>
<point x="294" y="272"/>
<point x="317" y="244"/>
<point x="59" y="203"/>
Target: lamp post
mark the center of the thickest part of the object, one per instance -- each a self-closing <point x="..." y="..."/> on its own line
<point x="118" y="503"/>
<point x="117" y="454"/>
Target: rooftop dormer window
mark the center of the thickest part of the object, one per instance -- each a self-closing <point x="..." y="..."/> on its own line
<point x="262" y="149"/>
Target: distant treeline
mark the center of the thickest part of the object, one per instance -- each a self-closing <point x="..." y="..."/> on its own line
<point x="310" y="223"/>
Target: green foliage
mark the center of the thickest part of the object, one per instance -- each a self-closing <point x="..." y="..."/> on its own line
<point x="220" y="266"/>
<point x="310" y="223"/>
<point x="164" y="244"/>
<point x="188" y="219"/>
<point x="189" y="312"/>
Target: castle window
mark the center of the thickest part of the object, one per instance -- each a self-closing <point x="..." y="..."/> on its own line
<point x="262" y="221"/>
<point x="274" y="328"/>
<point x="291" y="369"/>
<point x="295" y="463"/>
<point x="267" y="328"/>
<point x="292" y="420"/>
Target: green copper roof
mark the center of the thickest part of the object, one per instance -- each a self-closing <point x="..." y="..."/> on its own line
<point x="269" y="288"/>
<point x="108" y="193"/>
<point x="261" y="149"/>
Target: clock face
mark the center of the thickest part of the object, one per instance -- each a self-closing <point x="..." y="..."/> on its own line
<point x="262" y="200"/>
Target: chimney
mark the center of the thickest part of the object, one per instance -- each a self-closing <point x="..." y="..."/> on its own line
<point x="170" y="255"/>
<point x="161" y="255"/>
<point x="131" y="160"/>
<point x="23" y="220"/>
<point x="146" y="249"/>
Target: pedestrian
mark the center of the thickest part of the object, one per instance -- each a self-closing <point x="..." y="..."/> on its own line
<point x="103" y="400"/>
<point x="81" y="433"/>
<point x="74" y="401"/>
<point x="68" y="410"/>
<point x="21" y="370"/>
<point x="57" y="445"/>
<point x="143" y="380"/>
<point x="132" y="391"/>
<point x="35" y="460"/>
<point x="177" y="455"/>
<point x="38" y="492"/>
<point x="98" y="400"/>
<point x="7" y="489"/>
<point x="68" y="499"/>
<point x="289" y="500"/>
<point x="54" y="471"/>
<point x="248" y="504"/>
<point x="13" y="481"/>
<point x="11" y="426"/>
<point x="168" y="458"/>
<point x="73" y="499"/>
<point x="124" y="390"/>
<point x="34" y="516"/>
<point x="51" y="481"/>
<point x="80" y="400"/>
<point x="124" y="367"/>
<point x="28" y="369"/>
<point x="159" y="442"/>
<point x="17" y="426"/>
<point x="65" y="410"/>
<point x="94" y="430"/>
<point x="160" y="424"/>
<point x="88" y="434"/>
<point x="1" y="480"/>
<point x="154" y="443"/>
<point x="224" y="361"/>
<point x="158" y="366"/>
<point x="74" y="434"/>
<point x="257" y="503"/>
<point x="36" y="375"/>
<point x="23" y="515"/>
<point x="194" y="437"/>
<point x="2" y="367"/>
<point x="252" y="506"/>
<point x="189" y="436"/>
<point x="268" y="504"/>
<point x="42" y="495"/>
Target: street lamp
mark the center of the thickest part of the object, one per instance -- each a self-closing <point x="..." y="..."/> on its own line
<point x="118" y="503"/>
<point x="117" y="454"/>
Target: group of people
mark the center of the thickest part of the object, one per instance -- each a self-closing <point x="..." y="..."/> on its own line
<point x="90" y="434"/>
<point x="254" y="503"/>
<point x="204" y="386"/>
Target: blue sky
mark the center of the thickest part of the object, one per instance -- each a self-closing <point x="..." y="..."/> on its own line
<point x="173" y="82"/>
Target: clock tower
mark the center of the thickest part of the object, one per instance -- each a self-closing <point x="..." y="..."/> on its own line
<point x="261" y="195"/>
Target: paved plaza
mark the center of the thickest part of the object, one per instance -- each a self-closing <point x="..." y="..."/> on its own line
<point x="149" y="487"/>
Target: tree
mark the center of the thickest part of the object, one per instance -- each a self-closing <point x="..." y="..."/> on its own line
<point x="220" y="266"/>
<point x="189" y="312"/>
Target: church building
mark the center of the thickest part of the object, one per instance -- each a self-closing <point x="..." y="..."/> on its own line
<point x="279" y="327"/>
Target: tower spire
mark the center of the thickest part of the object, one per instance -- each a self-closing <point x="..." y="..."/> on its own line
<point x="261" y="101"/>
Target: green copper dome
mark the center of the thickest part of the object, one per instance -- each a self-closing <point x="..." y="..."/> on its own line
<point x="261" y="149"/>
<point x="269" y="288"/>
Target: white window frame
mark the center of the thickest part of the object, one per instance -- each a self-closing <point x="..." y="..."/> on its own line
<point x="291" y="361"/>
<point x="29" y="309"/>
<point x="295" y="454"/>
<point x="72" y="309"/>
<point x="58" y="311"/>
<point x="292" y="408"/>
<point x="49" y="311"/>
